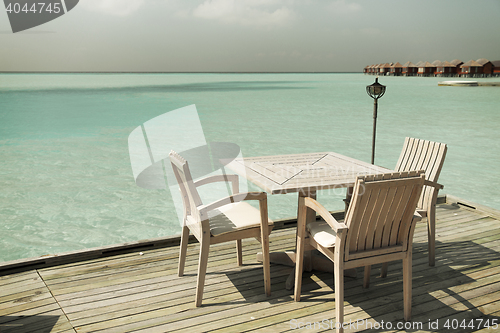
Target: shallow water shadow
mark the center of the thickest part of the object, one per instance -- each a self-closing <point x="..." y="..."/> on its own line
<point x="224" y="86"/>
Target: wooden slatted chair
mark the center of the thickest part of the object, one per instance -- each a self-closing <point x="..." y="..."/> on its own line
<point x="378" y="228"/>
<point x="227" y="219"/>
<point x="429" y="156"/>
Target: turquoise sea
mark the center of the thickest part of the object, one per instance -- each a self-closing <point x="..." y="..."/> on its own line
<point x="65" y="176"/>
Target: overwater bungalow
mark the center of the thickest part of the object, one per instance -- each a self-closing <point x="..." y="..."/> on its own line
<point x="409" y="69"/>
<point x="470" y="69"/>
<point x="385" y="69"/>
<point x="368" y="69"/>
<point x="396" y="69"/>
<point x="479" y="68"/>
<point x="496" y="68"/>
<point x="457" y="63"/>
<point x="426" y="69"/>
<point x="445" y="68"/>
<point x="438" y="64"/>
<point x="487" y="66"/>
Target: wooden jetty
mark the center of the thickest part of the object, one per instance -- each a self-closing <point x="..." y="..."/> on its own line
<point x="135" y="288"/>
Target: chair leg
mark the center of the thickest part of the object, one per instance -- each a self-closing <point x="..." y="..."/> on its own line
<point x="431" y="234"/>
<point x="298" y="276"/>
<point x="383" y="269"/>
<point x="407" y="283"/>
<point x="183" y="250"/>
<point x="264" y="241"/>
<point x="239" y="255"/>
<point x="299" y="255"/>
<point x="366" y="279"/>
<point x="202" y="268"/>
<point x="266" y="262"/>
<point x="338" y="276"/>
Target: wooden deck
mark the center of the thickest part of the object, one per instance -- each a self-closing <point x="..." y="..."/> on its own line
<point x="142" y="293"/>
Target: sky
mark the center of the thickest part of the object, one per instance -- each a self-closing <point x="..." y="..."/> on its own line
<point x="252" y="35"/>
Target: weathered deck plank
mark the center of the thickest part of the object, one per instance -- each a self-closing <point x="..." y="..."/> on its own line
<point x="142" y="293"/>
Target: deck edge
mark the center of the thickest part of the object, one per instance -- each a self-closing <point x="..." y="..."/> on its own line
<point x="451" y="199"/>
<point x="22" y="265"/>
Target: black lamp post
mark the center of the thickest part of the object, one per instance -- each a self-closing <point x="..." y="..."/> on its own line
<point x="375" y="90"/>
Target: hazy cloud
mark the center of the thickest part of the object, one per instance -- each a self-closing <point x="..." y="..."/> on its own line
<point x="245" y="12"/>
<point x="345" y="6"/>
<point x="113" y="7"/>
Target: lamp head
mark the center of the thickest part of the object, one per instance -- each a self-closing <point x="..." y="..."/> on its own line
<point x="375" y="90"/>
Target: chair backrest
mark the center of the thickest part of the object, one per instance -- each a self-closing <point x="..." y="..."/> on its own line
<point x="423" y="155"/>
<point x="379" y="218"/>
<point x="190" y="197"/>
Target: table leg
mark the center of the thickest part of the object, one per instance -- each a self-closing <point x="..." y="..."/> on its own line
<point x="310" y="217"/>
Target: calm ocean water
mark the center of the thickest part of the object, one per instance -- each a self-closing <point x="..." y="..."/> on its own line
<point x="65" y="176"/>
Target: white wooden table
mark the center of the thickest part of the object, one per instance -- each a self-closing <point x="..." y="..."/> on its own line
<point x="305" y="174"/>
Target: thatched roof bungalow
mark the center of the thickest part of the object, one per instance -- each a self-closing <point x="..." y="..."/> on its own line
<point x="496" y="67"/>
<point x="409" y="69"/>
<point x="437" y="64"/>
<point x="446" y="69"/>
<point x="426" y="69"/>
<point x="370" y="69"/>
<point x="487" y="66"/>
<point x="457" y="63"/>
<point x="396" y="69"/>
<point x="480" y="68"/>
<point x="385" y="68"/>
<point x="470" y="69"/>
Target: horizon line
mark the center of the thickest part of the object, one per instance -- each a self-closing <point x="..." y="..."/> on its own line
<point x="176" y="72"/>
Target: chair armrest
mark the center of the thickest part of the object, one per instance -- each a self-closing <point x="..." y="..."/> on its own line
<point x="204" y="209"/>
<point x="325" y="214"/>
<point x="433" y="184"/>
<point x="417" y="217"/>
<point x="219" y="178"/>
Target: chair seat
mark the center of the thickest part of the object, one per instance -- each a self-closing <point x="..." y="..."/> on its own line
<point x="322" y="233"/>
<point x="234" y="217"/>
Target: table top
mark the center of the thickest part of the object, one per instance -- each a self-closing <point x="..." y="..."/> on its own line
<point x="302" y="172"/>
